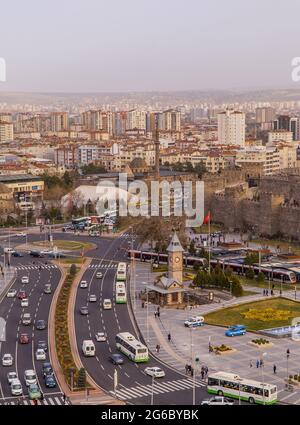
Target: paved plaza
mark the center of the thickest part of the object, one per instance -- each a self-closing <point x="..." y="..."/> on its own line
<point x="186" y="343"/>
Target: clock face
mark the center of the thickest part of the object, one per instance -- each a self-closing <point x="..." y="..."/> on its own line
<point x="177" y="259"/>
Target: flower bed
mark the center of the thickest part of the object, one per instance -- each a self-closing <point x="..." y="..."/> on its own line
<point x="261" y="343"/>
<point x="223" y="349"/>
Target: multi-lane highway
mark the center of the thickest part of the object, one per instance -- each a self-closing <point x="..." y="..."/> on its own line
<point x="134" y="386"/>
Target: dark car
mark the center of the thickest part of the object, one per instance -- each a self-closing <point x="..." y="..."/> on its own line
<point x="24" y="339"/>
<point x="84" y="311"/>
<point x="42" y="345"/>
<point x="22" y="294"/>
<point x="17" y="254"/>
<point x="40" y="325"/>
<point x="116" y="359"/>
<point x="47" y="369"/>
<point x="36" y="254"/>
<point x="50" y="381"/>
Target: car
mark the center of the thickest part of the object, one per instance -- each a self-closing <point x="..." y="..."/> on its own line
<point x="36" y="254"/>
<point x="50" y="381"/>
<point x="217" y="401"/>
<point x="22" y="294"/>
<point x="7" y="359"/>
<point x="26" y="319"/>
<point x="57" y="255"/>
<point x="100" y="337"/>
<point x="47" y="369"/>
<point x="47" y="288"/>
<point x="156" y="372"/>
<point x="24" y="339"/>
<point x="107" y="304"/>
<point x="99" y="275"/>
<point x="17" y="254"/>
<point x="83" y="284"/>
<point x="29" y="377"/>
<point x="16" y="387"/>
<point x="11" y="376"/>
<point x="93" y="298"/>
<point x="42" y="345"/>
<point x="194" y="322"/>
<point x="21" y="235"/>
<point x="84" y="311"/>
<point x="25" y="302"/>
<point x="46" y="251"/>
<point x="34" y="392"/>
<point x="25" y="279"/>
<point x="40" y="354"/>
<point x="116" y="359"/>
<point x="236" y="330"/>
<point x="11" y="293"/>
<point x="40" y="325"/>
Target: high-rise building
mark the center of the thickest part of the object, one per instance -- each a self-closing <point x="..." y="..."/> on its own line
<point x="265" y="115"/>
<point x="6" y="131"/>
<point x="285" y="122"/>
<point x="231" y="128"/>
<point x="59" y="121"/>
<point x="171" y="120"/>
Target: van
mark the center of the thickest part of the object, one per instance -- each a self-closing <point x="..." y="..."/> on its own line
<point x="26" y="319"/>
<point x="88" y="348"/>
<point x="107" y="305"/>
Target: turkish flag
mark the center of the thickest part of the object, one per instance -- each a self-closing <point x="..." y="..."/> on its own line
<point x="207" y="218"/>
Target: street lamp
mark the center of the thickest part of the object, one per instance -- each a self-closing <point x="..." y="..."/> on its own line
<point x="281" y="285"/>
<point x="287" y="364"/>
<point x="263" y="378"/>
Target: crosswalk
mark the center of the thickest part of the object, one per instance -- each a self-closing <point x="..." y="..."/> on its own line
<point x="158" y="388"/>
<point x="42" y="267"/>
<point x="103" y="266"/>
<point x="48" y="401"/>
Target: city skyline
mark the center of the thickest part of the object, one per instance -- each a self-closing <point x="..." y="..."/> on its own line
<point x="158" y="47"/>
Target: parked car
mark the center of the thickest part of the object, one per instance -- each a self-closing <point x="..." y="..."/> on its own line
<point x="11" y="293"/>
<point x="16" y="387"/>
<point x="84" y="311"/>
<point x="40" y="354"/>
<point x="100" y="337"/>
<point x="50" y="381"/>
<point x="156" y="372"/>
<point x="217" y="401"/>
<point x="236" y="330"/>
<point x="116" y="359"/>
<point x="29" y="377"/>
<point x="34" y="392"/>
<point x="7" y="359"/>
<point x="194" y="322"/>
<point x="40" y="325"/>
<point x="11" y="376"/>
<point x="24" y="339"/>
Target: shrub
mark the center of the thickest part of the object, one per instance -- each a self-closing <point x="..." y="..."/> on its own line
<point x="250" y="273"/>
<point x="81" y="382"/>
<point x="73" y="270"/>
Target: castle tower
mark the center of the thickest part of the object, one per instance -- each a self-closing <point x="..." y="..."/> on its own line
<point x="175" y="261"/>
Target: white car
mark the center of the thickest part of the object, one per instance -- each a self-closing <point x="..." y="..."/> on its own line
<point x="11" y="376"/>
<point x="40" y="354"/>
<point x="100" y="337"/>
<point x="11" y="293"/>
<point x="30" y="377"/>
<point x="217" y="401"/>
<point x="16" y="387"/>
<point x="156" y="372"/>
<point x="24" y="302"/>
<point x="46" y="251"/>
<point x="7" y="360"/>
<point x="93" y="298"/>
<point x="25" y="279"/>
<point x="83" y="284"/>
<point x="107" y="304"/>
<point x="194" y="322"/>
<point x="21" y="234"/>
<point x="99" y="275"/>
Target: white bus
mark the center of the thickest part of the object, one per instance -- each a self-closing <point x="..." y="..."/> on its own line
<point x="121" y="272"/>
<point x="131" y="347"/>
<point x="231" y="385"/>
<point x="121" y="293"/>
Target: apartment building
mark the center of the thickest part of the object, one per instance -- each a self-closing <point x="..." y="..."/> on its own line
<point x="6" y="131"/>
<point x="231" y="128"/>
<point x="284" y="135"/>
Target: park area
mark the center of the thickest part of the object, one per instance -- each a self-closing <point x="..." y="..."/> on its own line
<point x="259" y="315"/>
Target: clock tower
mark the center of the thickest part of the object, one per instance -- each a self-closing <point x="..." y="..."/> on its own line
<point x="175" y="263"/>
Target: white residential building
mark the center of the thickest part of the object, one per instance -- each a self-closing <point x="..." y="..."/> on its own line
<point x="231" y="128"/>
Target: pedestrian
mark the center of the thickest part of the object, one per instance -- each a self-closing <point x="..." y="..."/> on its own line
<point x="186" y="369"/>
<point x="205" y="370"/>
<point x="192" y="371"/>
<point x="64" y="398"/>
<point x="263" y="292"/>
<point x="274" y="368"/>
<point x="257" y="364"/>
<point x="202" y="372"/>
<point x="169" y="337"/>
<point x="250" y="364"/>
<point x="261" y="363"/>
<point x="272" y="293"/>
<point x="158" y="309"/>
<point x="42" y="396"/>
<point x="158" y="314"/>
<point x="155" y="314"/>
<point x="157" y="348"/>
<point x="267" y="293"/>
<point x="288" y="353"/>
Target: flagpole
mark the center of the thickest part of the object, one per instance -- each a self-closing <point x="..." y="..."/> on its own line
<point x="209" y="242"/>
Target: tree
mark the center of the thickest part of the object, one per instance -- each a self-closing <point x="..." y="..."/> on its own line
<point x="200" y="169"/>
<point x="260" y="277"/>
<point x="92" y="169"/>
<point x="192" y="248"/>
<point x="251" y="258"/>
<point x="250" y="274"/>
<point x="73" y="269"/>
<point x="81" y="378"/>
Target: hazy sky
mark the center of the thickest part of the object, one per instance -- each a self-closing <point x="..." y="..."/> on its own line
<point x="123" y="45"/>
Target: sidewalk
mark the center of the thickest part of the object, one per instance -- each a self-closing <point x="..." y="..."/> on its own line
<point x="5" y="281"/>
